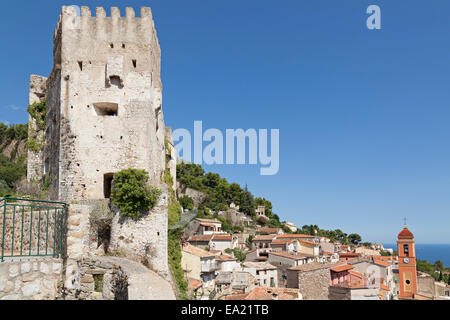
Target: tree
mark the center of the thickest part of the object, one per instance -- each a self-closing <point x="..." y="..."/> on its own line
<point x="439" y="265"/>
<point x="187" y="203"/>
<point x="355" y="238"/>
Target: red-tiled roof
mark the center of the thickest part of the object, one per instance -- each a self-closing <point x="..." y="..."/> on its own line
<point x="342" y="268"/>
<point x="197" y="251"/>
<point x="201" y="238"/>
<point x="194" y="284"/>
<point x="222" y="237"/>
<point x="294" y="236"/>
<point x="355" y="273"/>
<point x="382" y="263"/>
<point x="267" y="294"/>
<point x="405" y="234"/>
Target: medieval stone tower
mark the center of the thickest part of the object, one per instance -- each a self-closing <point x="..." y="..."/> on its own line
<point x="104" y="102"/>
<point x="103" y="115"/>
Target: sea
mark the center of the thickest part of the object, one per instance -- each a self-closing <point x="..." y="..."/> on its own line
<point x="429" y="252"/>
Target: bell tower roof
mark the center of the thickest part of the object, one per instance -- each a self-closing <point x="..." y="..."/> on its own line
<point x="405" y="234"/>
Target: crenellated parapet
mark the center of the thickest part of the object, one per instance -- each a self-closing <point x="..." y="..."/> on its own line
<point x="88" y="35"/>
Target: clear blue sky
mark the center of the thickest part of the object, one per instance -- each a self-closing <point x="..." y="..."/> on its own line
<point x="363" y="115"/>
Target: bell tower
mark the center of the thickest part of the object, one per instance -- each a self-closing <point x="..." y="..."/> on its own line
<point x="407" y="264"/>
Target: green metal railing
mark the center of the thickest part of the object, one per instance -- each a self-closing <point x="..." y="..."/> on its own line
<point x="31" y="228"/>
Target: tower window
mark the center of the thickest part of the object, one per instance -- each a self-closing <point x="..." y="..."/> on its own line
<point x="134" y="63"/>
<point x="408" y="282"/>
<point x="112" y="45"/>
<point x="106" y="109"/>
<point x="80" y="65"/>
<point x="406" y="250"/>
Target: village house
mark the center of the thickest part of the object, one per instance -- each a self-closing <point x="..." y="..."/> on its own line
<point x="207" y="226"/>
<point x="226" y="263"/>
<point x="378" y="272"/>
<point x="199" y="265"/>
<point x="349" y="257"/>
<point x="234" y="282"/>
<point x="345" y="275"/>
<point x="328" y="257"/>
<point x="273" y="231"/>
<point x="287" y="245"/>
<point x="296" y="237"/>
<point x="200" y="241"/>
<point x="290" y="226"/>
<point x="312" y="279"/>
<point x="364" y="251"/>
<point x="223" y="242"/>
<point x="284" y="260"/>
<point x="310" y="248"/>
<point x="265" y="273"/>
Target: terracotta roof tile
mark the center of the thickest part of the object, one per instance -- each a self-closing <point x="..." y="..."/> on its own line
<point x="197" y="251"/>
<point x="201" y="238"/>
<point x="405" y="234"/>
<point x="342" y="268"/>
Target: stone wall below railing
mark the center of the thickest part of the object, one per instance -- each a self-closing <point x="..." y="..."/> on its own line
<point x="30" y="280"/>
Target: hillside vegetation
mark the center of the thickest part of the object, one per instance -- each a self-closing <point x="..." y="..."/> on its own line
<point x="12" y="156"/>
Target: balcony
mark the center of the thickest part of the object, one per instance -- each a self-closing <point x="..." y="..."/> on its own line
<point x="210" y="267"/>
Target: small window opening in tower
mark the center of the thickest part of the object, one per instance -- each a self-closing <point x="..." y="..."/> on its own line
<point x="406" y="250"/>
<point x="105" y="109"/>
<point x="408" y="282"/>
<point x="134" y="63"/>
<point x="112" y="45"/>
<point x="80" y="65"/>
<point x="123" y="45"/>
<point x="107" y="184"/>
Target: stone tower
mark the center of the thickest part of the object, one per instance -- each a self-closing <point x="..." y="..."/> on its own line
<point x="103" y="115"/>
<point x="407" y="264"/>
<point x="104" y="102"/>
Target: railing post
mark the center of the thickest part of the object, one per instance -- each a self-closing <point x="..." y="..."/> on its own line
<point x="13" y="228"/>
<point x="62" y="232"/>
<point x="31" y="228"/>
<point x="39" y="233"/>
<point x="4" y="229"/>
<point x="54" y="233"/>
<point x="46" y="233"/>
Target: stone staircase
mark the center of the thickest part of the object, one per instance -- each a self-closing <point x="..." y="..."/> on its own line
<point x="143" y="284"/>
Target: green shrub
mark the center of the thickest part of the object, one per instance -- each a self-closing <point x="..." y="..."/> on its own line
<point x="131" y="193"/>
<point x="38" y="111"/>
<point x="175" y="255"/>
<point x="187" y="202"/>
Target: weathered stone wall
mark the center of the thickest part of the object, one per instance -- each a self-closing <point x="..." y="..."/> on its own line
<point x="94" y="278"/>
<point x="197" y="196"/>
<point x="35" y="165"/>
<point x="313" y="282"/>
<point x="144" y="240"/>
<point x="30" y="280"/>
<point x="105" y="101"/>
